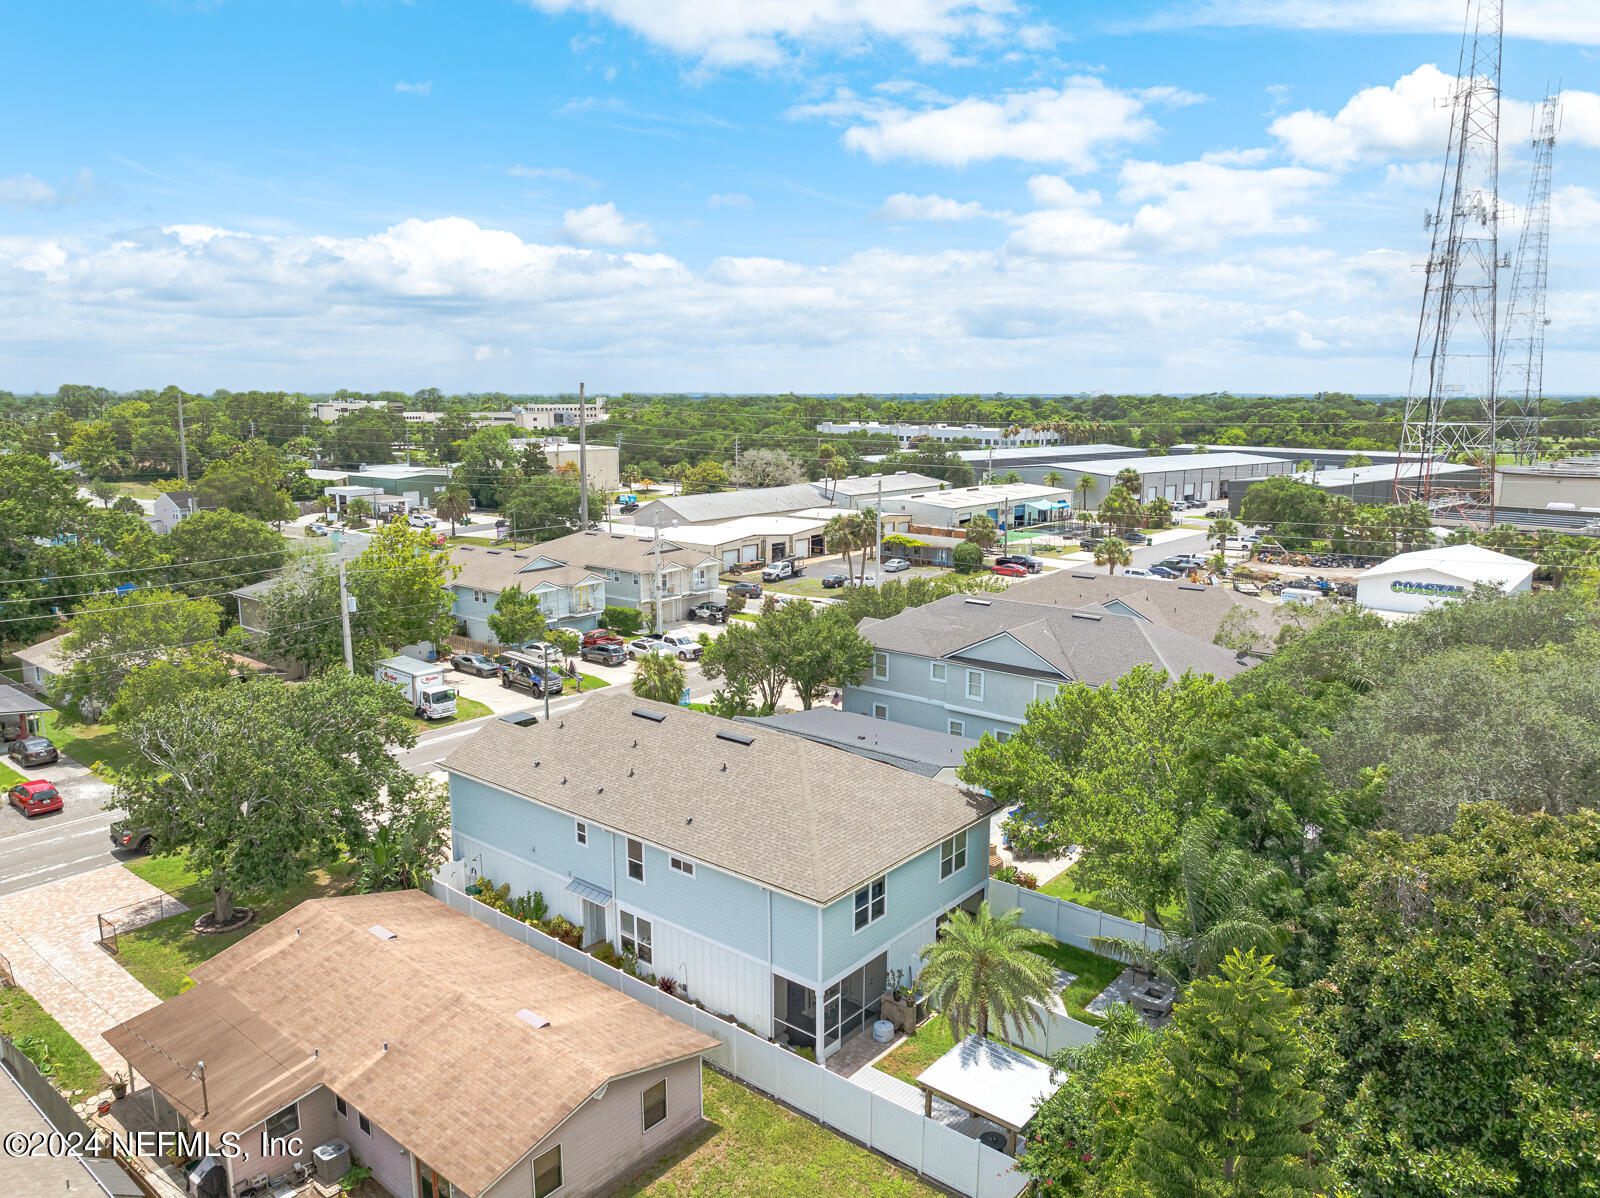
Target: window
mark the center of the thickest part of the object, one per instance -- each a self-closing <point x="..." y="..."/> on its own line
<point x="952" y="856"/>
<point x="975" y="684"/>
<point x="364" y="1123"/>
<point x="284" y="1124"/>
<point x="879" y="711"/>
<point x="870" y="903"/>
<point x="635" y="860"/>
<point x="958" y="727"/>
<point x="547" y="1173"/>
<point x="682" y="866"/>
<point x="636" y="937"/>
<point x="1002" y="735"/>
<point x="338" y="1105"/>
<point x="880" y="665"/>
<point x="936" y="671"/>
<point x="1044" y="691"/>
<point x="655" y="1104"/>
<point x="583" y="832"/>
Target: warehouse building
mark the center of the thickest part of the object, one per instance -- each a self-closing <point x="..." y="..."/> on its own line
<point x="1319" y="458"/>
<point x="1033" y="463"/>
<point x="1572" y="485"/>
<point x="1203" y="476"/>
<point x="1012" y="505"/>
<point x="863" y="490"/>
<point x="1414" y="582"/>
<point x="982" y="434"/>
<point x="1366" y="484"/>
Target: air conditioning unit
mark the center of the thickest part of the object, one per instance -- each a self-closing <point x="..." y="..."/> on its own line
<point x="333" y="1161"/>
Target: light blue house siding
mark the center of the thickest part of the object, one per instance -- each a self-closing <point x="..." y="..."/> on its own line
<point x="473" y="606"/>
<point x="737" y="946"/>
<point x="909" y="689"/>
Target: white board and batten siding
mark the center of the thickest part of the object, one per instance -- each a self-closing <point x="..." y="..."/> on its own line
<point x="717" y="976"/>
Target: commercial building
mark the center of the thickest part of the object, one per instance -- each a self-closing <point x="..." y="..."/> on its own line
<point x="1571" y="485"/>
<point x="600" y="460"/>
<point x="1413" y="582"/>
<point x="907" y="433"/>
<point x="863" y="490"/>
<point x="1203" y="476"/>
<point x="713" y="507"/>
<point x="1363" y="484"/>
<point x="448" y="1057"/>
<point x="1034" y="463"/>
<point x="1319" y="458"/>
<point x="1011" y="504"/>
<point x="417" y="485"/>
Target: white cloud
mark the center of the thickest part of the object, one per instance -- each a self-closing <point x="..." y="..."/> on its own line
<point x="28" y="191"/>
<point x="1575" y="210"/>
<point x="1576" y="21"/>
<point x="602" y="224"/>
<point x="424" y="88"/>
<point x="559" y="173"/>
<point x="730" y="199"/>
<point x="1068" y="125"/>
<point x="905" y="206"/>
<point x="767" y="32"/>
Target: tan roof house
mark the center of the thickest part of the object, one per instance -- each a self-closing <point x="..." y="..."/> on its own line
<point x="449" y="1058"/>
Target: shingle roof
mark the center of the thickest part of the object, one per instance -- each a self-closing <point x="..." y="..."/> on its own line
<point x="727" y="505"/>
<point x="419" y="1032"/>
<point x="803" y="818"/>
<point x="1093" y="647"/>
<point x="46" y="655"/>
<point x="617" y="551"/>
<point x="1198" y="611"/>
<point x="498" y="569"/>
<point x="905" y="746"/>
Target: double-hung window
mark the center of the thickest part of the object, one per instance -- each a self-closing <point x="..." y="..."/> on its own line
<point x="952" y="856"/>
<point x="1043" y="692"/>
<point x="547" y="1172"/>
<point x="655" y="1104"/>
<point x="936" y="671"/>
<point x="975" y="685"/>
<point x="636" y="936"/>
<point x="871" y="902"/>
<point x="635" y="860"/>
<point x="582" y="831"/>
<point x="958" y="727"/>
<point x="880" y="665"/>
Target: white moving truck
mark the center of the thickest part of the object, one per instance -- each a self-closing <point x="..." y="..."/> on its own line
<point x="422" y="685"/>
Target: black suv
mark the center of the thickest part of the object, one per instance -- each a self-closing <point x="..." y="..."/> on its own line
<point x="1031" y="564"/>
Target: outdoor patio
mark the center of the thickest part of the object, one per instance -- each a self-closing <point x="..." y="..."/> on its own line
<point x="1133" y="987"/>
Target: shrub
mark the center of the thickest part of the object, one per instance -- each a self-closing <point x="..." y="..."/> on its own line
<point x="564" y="930"/>
<point x="968" y="557"/>
<point x="624" y="621"/>
<point x="667" y="986"/>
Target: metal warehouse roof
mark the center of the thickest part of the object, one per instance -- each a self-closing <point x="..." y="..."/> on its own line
<point x="1177" y="461"/>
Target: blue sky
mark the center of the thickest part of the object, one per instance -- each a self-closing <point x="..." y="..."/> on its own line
<point x="836" y="195"/>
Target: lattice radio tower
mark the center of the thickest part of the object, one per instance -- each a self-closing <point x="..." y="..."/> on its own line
<point x="1454" y="362"/>
<point x="1521" y="384"/>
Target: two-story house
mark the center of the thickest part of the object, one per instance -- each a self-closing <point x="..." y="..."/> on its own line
<point x="971" y="664"/>
<point x="631" y="564"/>
<point x="569" y="596"/>
<point x="774" y="879"/>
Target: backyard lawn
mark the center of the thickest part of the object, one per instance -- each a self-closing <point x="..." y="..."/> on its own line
<point x="161" y="954"/>
<point x="21" y="1015"/>
<point x="87" y="743"/>
<point x="755" y="1148"/>
<point x="8" y="776"/>
<point x="1061" y="887"/>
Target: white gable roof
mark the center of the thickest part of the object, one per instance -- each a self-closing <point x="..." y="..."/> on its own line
<point x="1471" y="563"/>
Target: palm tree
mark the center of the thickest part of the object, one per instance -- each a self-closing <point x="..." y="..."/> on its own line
<point x="359" y="509"/>
<point x="453" y="504"/>
<point x="1130" y="478"/>
<point x="1113" y="552"/>
<point x="982" y="969"/>
<point x="981" y="531"/>
<point x="1084" y="488"/>
<point x="1053" y="479"/>
<point x="660" y="678"/>
<point x="1222" y="528"/>
<point x="863" y="527"/>
<point x="838" y="537"/>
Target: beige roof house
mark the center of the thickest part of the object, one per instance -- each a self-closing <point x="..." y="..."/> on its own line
<point x="464" y="1046"/>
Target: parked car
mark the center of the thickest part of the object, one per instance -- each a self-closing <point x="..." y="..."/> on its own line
<point x="126" y="836"/>
<point x="645" y="646"/>
<point x="682" y="645"/>
<point x="529" y="673"/>
<point x="779" y="570"/>
<point x="418" y="520"/>
<point x="750" y="590"/>
<point x="1136" y="572"/>
<point x="1090" y="543"/>
<point x="604" y="653"/>
<point x="316" y="530"/>
<point x="834" y="581"/>
<point x="543" y="652"/>
<point x="37" y="797"/>
<point x="1165" y="572"/>
<point x="601" y="636"/>
<point x="710" y="611"/>
<point x="475" y="663"/>
<point x="627" y="509"/>
<point x="1010" y="570"/>
<point x="1135" y="538"/>
<point x="33" y="750"/>
<point x="895" y="564"/>
<point x="1176" y="564"/>
<point x="1027" y="561"/>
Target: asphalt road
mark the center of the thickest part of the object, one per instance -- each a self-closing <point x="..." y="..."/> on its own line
<point x="47" y="848"/>
<point x="1149" y="555"/>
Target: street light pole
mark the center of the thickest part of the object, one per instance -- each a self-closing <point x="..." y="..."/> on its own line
<point x="344" y="621"/>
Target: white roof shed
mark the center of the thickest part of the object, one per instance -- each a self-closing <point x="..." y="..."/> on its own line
<point x="991" y="1080"/>
<point x="1413" y="582"/>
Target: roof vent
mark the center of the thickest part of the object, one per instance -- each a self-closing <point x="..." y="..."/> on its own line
<point x="978" y="602"/>
<point x="381" y="932"/>
<point x="465" y="548"/>
<point x="1189" y="586"/>
<point x="494" y="552"/>
<point x="1083" y="615"/>
<point x="1086" y="576"/>
<point x="655" y="717"/>
<point x="519" y="555"/>
<point x="522" y="719"/>
<point x="737" y="738"/>
<point x="531" y="1019"/>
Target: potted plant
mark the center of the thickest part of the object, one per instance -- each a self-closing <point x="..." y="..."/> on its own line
<point x="119" y="1086"/>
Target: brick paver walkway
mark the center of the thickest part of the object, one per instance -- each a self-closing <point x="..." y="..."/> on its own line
<point x="49" y="934"/>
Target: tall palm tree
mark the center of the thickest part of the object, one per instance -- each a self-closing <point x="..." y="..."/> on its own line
<point x="1129" y="477"/>
<point x="1084" y="488"/>
<point x="864" y="530"/>
<point x="982" y="971"/>
<point x="453" y="504"/>
<point x="1222" y="528"/>
<point x="660" y="678"/>
<point x="1053" y="479"/>
<point x="981" y="531"/>
<point x="837" y="537"/>
<point x="1113" y="552"/>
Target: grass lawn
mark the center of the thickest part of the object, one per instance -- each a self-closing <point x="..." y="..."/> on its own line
<point x="21" y="1015"/>
<point x="8" y="776"/>
<point x="932" y="1041"/>
<point x="590" y="682"/>
<point x="161" y="954"/>
<point x="1061" y="887"/>
<point x="137" y="490"/>
<point x="755" y="1148"/>
<point x="88" y="743"/>
<point x="465" y="540"/>
<point x="466" y="709"/>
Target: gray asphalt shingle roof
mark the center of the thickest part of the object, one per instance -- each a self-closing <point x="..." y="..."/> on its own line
<point x="920" y="750"/>
<point x="1198" y="611"/>
<point x="1095" y="647"/>
<point x="803" y="818"/>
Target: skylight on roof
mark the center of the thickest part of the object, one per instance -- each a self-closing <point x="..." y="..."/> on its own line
<point x="382" y="933"/>
<point x="654" y="717"/>
<point x="532" y="1019"/>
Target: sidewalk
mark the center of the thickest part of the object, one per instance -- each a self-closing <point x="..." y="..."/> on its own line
<point x="50" y="935"/>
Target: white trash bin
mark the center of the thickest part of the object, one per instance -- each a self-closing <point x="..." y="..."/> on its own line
<point x="882" y="1031"/>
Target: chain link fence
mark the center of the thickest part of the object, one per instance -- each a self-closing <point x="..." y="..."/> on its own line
<point x="136" y="915"/>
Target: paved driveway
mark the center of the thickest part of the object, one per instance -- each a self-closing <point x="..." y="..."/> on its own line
<point x="82" y="795"/>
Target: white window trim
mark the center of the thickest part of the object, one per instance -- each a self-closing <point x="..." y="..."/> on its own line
<point x="957" y="846"/>
<point x="580" y="831"/>
<point x="533" y="1169"/>
<point x="1045" y="690"/>
<point x="978" y="674"/>
<point x="880" y="665"/>
<point x="648" y="942"/>
<point x="627" y="847"/>
<point x="666" y="1106"/>
<point x="880" y="707"/>
<point x="1003" y="734"/>
<point x="957" y="727"/>
<point x="681" y="864"/>
<point x="871" y="918"/>
<point x="937" y="671"/>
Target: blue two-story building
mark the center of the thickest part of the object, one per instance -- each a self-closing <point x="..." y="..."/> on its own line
<point x="757" y="870"/>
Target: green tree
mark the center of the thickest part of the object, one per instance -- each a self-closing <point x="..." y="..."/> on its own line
<point x="1458" y="1020"/>
<point x="1111" y="553"/>
<point x="219" y="551"/>
<point x="94" y="447"/>
<point x="1084" y="488"/>
<point x="706" y="475"/>
<point x="253" y="784"/>
<point x="768" y="468"/>
<point x="484" y="458"/>
<point x="818" y="650"/>
<point x="967" y="557"/>
<point x="517" y="617"/>
<point x="746" y="661"/>
<point x="982" y="971"/>
<point x="1357" y="459"/>
<point x="1159" y="513"/>
<point x="453" y="504"/>
<point x="933" y="460"/>
<point x="358" y="509"/>
<point x="1296" y="512"/>
<point x="251" y="482"/>
<point x="1129" y="479"/>
<point x="366" y="436"/>
<point x="1222" y="528"/>
<point x="981" y="531"/>
<point x="1121" y="509"/>
<point x="103" y="491"/>
<point x="660" y="677"/>
<point x="1232" y="1119"/>
<point x="624" y="621"/>
<point x="1103" y="768"/>
<point x="407" y="848"/>
<point x="542" y="509"/>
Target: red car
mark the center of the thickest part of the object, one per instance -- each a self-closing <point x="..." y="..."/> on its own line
<point x="34" y="798"/>
<point x="1010" y="570"/>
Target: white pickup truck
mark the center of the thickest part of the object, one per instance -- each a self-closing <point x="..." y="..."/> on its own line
<point x="422" y="685"/>
<point x="677" y="643"/>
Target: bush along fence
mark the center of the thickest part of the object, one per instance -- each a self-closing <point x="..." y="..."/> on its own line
<point x="1068" y="922"/>
<point x="930" y="1148"/>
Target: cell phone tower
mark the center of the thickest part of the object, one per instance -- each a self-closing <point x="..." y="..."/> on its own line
<point x="1522" y="342"/>
<point x="1451" y="404"/>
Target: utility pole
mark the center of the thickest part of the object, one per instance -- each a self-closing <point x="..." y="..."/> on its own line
<point x="989" y="477"/>
<point x="345" y="603"/>
<point x="736" y="453"/>
<point x="879" y="514"/>
<point x="183" y="442"/>
<point x="657" y="604"/>
<point x="583" y="464"/>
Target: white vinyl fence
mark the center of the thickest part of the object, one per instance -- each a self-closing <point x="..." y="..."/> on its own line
<point x="919" y="1143"/>
<point x="1067" y="922"/>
